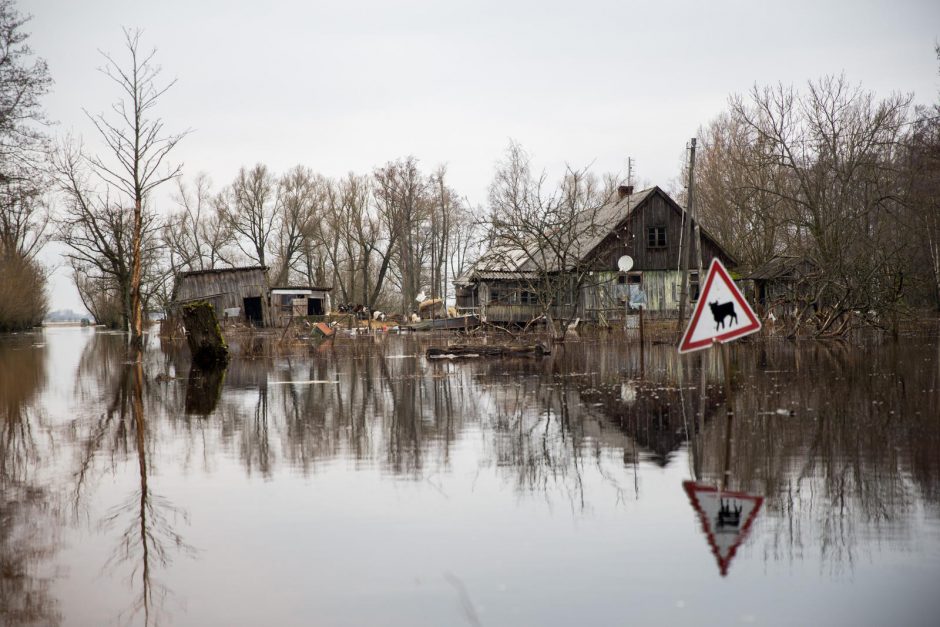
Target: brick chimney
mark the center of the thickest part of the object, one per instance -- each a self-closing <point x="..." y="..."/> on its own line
<point x="624" y="190"/>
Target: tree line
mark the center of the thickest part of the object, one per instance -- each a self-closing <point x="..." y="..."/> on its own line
<point x="834" y="176"/>
<point x="828" y="173"/>
<point x="379" y="239"/>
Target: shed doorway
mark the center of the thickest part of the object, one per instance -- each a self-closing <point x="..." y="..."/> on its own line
<point x="253" y="313"/>
<point x="314" y="307"/>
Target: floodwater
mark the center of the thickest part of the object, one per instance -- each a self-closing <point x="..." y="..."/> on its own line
<point x="359" y="483"/>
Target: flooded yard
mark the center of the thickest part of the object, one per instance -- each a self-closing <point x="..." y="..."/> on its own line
<point x="360" y="483"/>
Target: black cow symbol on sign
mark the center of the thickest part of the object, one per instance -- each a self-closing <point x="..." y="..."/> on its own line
<point x="722" y="311"/>
<point x="729" y="515"/>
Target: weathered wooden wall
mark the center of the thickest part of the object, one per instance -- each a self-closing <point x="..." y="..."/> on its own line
<point x="225" y="288"/>
<point x="631" y="239"/>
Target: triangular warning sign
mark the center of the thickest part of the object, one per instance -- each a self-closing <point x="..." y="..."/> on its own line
<point x="726" y="518"/>
<point x="721" y="314"/>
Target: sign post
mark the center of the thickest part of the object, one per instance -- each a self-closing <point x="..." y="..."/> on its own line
<point x="722" y="315"/>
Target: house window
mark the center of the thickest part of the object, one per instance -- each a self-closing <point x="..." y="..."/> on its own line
<point x="494" y="296"/>
<point x="634" y="278"/>
<point x="656" y="237"/>
<point x="528" y="298"/>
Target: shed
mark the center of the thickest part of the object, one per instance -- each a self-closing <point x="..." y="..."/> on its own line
<point x="234" y="292"/>
<point x="288" y="301"/>
<point x="782" y="283"/>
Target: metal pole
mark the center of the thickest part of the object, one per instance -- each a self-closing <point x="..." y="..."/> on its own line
<point x="686" y="240"/>
<point x="642" y="345"/>
<point x="729" y="404"/>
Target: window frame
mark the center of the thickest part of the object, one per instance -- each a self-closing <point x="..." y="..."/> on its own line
<point x="656" y="237"/>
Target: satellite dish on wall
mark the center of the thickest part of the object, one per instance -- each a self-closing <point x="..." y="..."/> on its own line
<point x="625" y="263"/>
<point x="421" y="297"/>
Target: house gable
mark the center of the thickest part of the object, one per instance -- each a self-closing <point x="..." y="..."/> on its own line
<point x="651" y="233"/>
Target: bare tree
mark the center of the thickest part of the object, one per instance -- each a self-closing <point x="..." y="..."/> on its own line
<point x="736" y="185"/>
<point x="251" y="206"/>
<point x="922" y="163"/>
<point x="401" y="194"/>
<point x="99" y="234"/>
<point x="544" y="235"/>
<point x="300" y="194"/>
<point x="465" y="235"/>
<point x="137" y="150"/>
<point x="197" y="236"/>
<point x="815" y="173"/>
<point x="24" y="80"/>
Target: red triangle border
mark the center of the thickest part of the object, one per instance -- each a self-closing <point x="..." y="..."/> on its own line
<point x="691" y="488"/>
<point x="754" y="325"/>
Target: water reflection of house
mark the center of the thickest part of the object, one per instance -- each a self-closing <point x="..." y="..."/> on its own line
<point x="239" y="293"/>
<point x="294" y="301"/>
<point x="645" y="225"/>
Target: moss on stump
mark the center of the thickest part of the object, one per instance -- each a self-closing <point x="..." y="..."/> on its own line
<point x="204" y="334"/>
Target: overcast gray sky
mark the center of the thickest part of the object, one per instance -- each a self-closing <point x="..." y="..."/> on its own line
<point x="342" y="86"/>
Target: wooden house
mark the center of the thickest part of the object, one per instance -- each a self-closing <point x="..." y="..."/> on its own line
<point x="240" y="293"/>
<point x="647" y="226"/>
<point x="782" y="285"/>
<point x="287" y="302"/>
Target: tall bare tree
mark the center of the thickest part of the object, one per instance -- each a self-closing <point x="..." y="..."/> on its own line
<point x="402" y="197"/>
<point x="138" y="147"/>
<point x="99" y="233"/>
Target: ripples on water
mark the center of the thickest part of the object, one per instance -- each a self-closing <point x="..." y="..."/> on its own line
<point x="358" y="483"/>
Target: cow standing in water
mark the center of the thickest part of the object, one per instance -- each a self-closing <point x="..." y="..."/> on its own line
<point x="722" y="311"/>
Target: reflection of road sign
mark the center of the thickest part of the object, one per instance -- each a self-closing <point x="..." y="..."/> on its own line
<point x="625" y="263"/>
<point x="721" y="314"/>
<point x="726" y="518"/>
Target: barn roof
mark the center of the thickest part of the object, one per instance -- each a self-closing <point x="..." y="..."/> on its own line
<point x="313" y="288"/>
<point x="222" y="271"/>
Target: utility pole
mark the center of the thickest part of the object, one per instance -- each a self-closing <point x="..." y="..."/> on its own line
<point x="687" y="240"/>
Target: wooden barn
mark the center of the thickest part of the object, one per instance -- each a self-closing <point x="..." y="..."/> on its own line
<point x="646" y="225"/>
<point x="240" y="293"/>
<point x="292" y="301"/>
<point x="782" y="285"/>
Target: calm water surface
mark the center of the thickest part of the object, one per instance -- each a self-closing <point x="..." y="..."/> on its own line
<point x="359" y="483"/>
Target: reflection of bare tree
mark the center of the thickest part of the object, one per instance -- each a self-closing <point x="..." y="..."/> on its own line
<point x="145" y="522"/>
<point x="28" y="513"/>
<point x="842" y="465"/>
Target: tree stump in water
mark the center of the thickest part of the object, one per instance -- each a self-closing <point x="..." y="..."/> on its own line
<point x="204" y="335"/>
